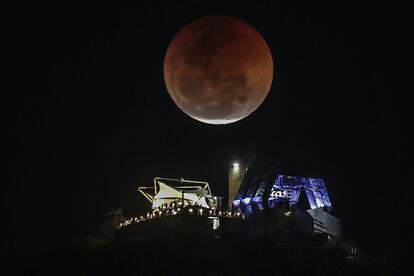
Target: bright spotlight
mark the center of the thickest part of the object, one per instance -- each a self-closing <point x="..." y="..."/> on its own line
<point x="236" y="166"/>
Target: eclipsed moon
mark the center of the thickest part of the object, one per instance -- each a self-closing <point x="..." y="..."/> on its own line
<point x="218" y="69"/>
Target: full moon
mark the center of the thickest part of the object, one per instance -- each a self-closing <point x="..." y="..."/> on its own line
<point x="218" y="69"/>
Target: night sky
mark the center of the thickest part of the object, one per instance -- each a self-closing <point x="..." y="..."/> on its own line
<point x="88" y="118"/>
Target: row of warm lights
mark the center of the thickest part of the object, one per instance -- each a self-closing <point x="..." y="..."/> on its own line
<point x="200" y="211"/>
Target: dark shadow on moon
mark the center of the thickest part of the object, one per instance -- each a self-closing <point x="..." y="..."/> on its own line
<point x="209" y="39"/>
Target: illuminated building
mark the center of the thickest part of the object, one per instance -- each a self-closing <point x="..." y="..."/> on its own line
<point x="236" y="174"/>
<point x="188" y="198"/>
<point x="197" y="193"/>
<point x="258" y="193"/>
<point x="284" y="219"/>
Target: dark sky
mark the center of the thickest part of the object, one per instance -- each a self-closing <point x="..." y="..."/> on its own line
<point x="88" y="117"/>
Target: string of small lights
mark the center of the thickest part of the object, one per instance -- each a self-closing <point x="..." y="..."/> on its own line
<point x="180" y="207"/>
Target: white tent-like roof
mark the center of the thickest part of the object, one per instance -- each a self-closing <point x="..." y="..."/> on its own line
<point x="167" y="194"/>
<point x="195" y="195"/>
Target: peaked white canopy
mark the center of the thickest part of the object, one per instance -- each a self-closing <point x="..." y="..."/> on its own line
<point x="164" y="194"/>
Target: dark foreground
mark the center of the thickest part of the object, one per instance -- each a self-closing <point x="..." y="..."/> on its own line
<point x="187" y="246"/>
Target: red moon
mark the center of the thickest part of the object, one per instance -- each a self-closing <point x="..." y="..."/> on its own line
<point x="218" y="69"/>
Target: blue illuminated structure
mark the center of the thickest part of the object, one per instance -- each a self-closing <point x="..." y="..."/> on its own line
<point x="295" y="204"/>
<point x="287" y="189"/>
<point x="290" y="187"/>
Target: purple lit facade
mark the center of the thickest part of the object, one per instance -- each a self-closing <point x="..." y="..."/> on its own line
<point x="288" y="189"/>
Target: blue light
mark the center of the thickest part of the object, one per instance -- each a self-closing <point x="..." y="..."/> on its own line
<point x="247" y="211"/>
<point x="246" y="200"/>
<point x="257" y="199"/>
<point x="236" y="203"/>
